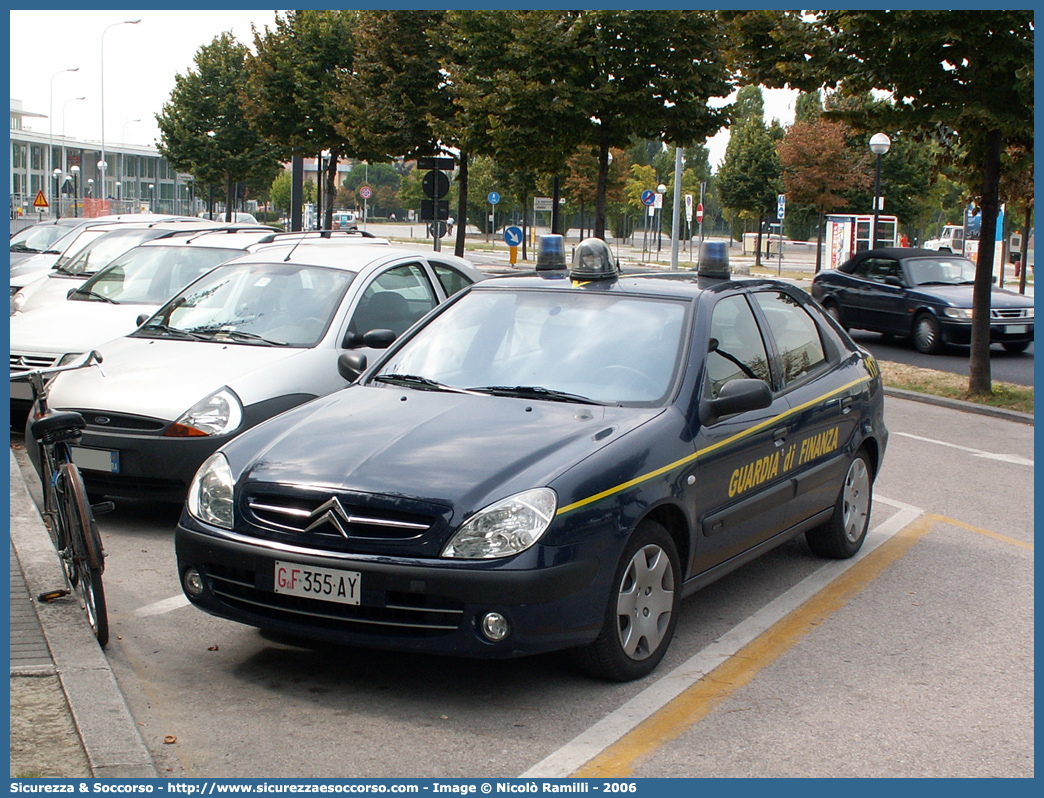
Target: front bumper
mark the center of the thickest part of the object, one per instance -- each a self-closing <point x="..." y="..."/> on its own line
<point x="432" y="606"/>
<point x="149" y="466"/>
<point x="959" y="333"/>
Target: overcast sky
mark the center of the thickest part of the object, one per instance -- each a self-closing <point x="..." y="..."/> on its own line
<point x="140" y="63"/>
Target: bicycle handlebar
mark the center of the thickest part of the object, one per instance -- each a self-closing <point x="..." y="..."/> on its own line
<point x="91" y="358"/>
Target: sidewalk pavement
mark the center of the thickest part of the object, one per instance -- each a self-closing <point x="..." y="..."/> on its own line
<point x="62" y="686"/>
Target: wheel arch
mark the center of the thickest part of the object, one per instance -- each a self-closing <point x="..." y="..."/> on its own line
<point x="671" y="518"/>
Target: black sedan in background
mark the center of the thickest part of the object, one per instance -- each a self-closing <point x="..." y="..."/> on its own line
<point x="552" y="462"/>
<point x="921" y="294"/>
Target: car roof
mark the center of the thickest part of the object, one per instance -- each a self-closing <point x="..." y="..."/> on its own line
<point x="681" y="285"/>
<point x="353" y="256"/>
<point x="231" y="237"/>
<point x="894" y="253"/>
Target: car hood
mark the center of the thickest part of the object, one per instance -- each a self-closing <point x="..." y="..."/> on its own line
<point x="456" y="450"/>
<point x="163" y="378"/>
<point x="961" y="296"/>
<point x="66" y="326"/>
<point x="33" y="265"/>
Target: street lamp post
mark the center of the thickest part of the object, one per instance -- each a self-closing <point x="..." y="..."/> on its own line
<point x="75" y="170"/>
<point x="50" y="118"/>
<point x="152" y="196"/>
<point x="57" y="193"/>
<point x="661" y="190"/>
<point x="879" y="144"/>
<point x="102" y="162"/>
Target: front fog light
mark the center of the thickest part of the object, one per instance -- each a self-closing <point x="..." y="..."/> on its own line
<point x="193" y="582"/>
<point x="494" y="627"/>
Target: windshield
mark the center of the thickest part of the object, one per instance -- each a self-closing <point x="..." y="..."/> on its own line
<point x="280" y="304"/>
<point x="151" y="275"/>
<point x="941" y="271"/>
<point x="37" y="238"/>
<point x="100" y="252"/>
<point x="558" y="345"/>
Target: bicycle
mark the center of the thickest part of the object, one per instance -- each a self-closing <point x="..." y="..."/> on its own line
<point x="69" y="514"/>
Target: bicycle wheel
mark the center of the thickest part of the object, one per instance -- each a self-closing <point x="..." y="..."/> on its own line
<point x="87" y="554"/>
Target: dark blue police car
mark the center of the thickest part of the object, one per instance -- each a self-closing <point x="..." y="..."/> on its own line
<point x="549" y="461"/>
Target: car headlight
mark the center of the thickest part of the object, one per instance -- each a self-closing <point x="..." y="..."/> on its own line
<point x="17" y="300"/>
<point x="506" y="527"/>
<point x="210" y="493"/>
<point x="964" y="314"/>
<point x="219" y="413"/>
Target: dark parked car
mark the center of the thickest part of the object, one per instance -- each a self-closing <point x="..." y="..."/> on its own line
<point x="549" y="461"/>
<point x="920" y="293"/>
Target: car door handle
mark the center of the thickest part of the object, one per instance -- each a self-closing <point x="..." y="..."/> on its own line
<point x="846" y="404"/>
<point x="779" y="436"/>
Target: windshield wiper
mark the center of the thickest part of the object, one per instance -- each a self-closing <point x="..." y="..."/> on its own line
<point x="238" y="335"/>
<point x="420" y="383"/>
<point x="20" y="247"/>
<point x="171" y="332"/>
<point x="93" y="295"/>
<point x="537" y="392"/>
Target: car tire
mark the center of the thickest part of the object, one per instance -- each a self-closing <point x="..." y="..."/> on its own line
<point x="835" y="313"/>
<point x="843" y="535"/>
<point x="927" y="335"/>
<point x="1015" y="346"/>
<point x="646" y="587"/>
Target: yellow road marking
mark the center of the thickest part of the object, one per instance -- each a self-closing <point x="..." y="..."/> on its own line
<point x="620" y="759"/>
<point x="979" y="531"/>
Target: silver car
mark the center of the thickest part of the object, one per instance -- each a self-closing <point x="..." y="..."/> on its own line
<point x="252" y="338"/>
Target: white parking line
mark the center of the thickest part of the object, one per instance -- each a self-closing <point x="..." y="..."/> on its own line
<point x="1004" y="458"/>
<point x="587" y="745"/>
<point x="161" y="607"/>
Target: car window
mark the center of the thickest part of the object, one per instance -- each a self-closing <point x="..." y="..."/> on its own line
<point x="255" y="303"/>
<point x="151" y="275"/>
<point x="877" y="269"/>
<point x="797" y="336"/>
<point x="614" y="349"/>
<point x="102" y="251"/>
<point x="37" y="238"/>
<point x="394" y="300"/>
<point x="451" y="279"/>
<point x="945" y="270"/>
<point x="736" y="350"/>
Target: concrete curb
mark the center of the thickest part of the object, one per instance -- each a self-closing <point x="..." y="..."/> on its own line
<point x="958" y="404"/>
<point x="110" y="736"/>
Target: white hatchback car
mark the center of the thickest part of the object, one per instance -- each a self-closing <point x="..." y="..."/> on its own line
<point x="250" y="339"/>
<point x="111" y="303"/>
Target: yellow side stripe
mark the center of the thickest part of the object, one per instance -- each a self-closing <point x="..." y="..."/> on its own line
<point x="708" y="449"/>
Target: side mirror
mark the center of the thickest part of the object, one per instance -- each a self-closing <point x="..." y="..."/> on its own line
<point x="374" y="339"/>
<point x="144" y="317"/>
<point x="892" y="280"/>
<point x="740" y="396"/>
<point x="350" y="365"/>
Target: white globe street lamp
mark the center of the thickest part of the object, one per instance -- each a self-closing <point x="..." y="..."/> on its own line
<point x="115" y="24"/>
<point x="50" y="116"/>
<point x="879" y="144"/>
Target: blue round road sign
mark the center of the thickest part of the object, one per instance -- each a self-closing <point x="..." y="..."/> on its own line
<point x="648" y="197"/>
<point x="513" y="236"/>
<point x="494" y="198"/>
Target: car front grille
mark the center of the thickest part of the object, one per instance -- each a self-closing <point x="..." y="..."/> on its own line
<point x="343" y="521"/>
<point x="1008" y="314"/>
<point x="102" y="422"/>
<point x="27" y="361"/>
<point x="388" y="614"/>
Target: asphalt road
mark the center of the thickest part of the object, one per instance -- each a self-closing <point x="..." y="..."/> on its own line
<point x="914" y="659"/>
<point x="1004" y="366"/>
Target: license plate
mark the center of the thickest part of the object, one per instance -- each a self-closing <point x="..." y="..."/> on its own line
<point x="1016" y="329"/>
<point x="21" y="390"/>
<point x="326" y="584"/>
<point x="96" y="459"/>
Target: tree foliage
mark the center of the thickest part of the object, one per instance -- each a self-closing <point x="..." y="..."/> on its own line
<point x="203" y="128"/>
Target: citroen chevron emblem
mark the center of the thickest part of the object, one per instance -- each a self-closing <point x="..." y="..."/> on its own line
<point x="330" y="512"/>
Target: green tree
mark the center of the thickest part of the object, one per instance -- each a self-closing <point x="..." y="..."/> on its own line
<point x="203" y="129"/>
<point x="539" y="84"/>
<point x="295" y="75"/>
<point x="750" y="176"/>
<point x="963" y="78"/>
